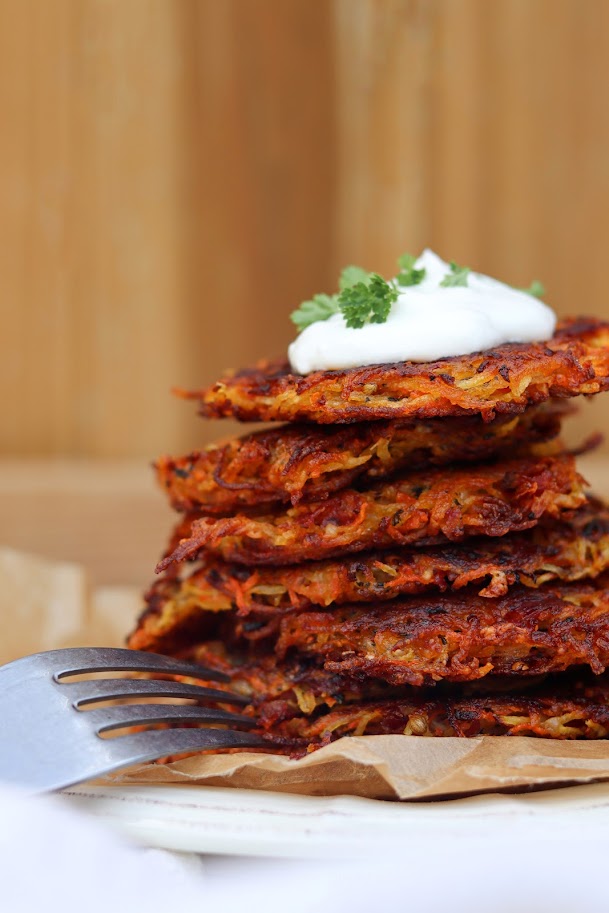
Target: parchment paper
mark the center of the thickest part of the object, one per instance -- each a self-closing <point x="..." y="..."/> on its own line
<point x="45" y="604"/>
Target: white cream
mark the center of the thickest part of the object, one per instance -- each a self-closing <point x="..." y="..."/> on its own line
<point x="427" y="322"/>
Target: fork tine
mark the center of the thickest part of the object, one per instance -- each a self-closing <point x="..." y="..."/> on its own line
<point x="105" y="719"/>
<point x="158" y="743"/>
<point x="87" y="692"/>
<point x="110" y="659"/>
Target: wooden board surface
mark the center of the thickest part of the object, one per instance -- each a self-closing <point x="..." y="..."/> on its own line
<point x="107" y="516"/>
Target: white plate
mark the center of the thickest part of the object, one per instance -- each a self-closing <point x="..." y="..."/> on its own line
<point x="255" y="823"/>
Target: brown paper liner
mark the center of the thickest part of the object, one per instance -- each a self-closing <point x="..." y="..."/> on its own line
<point x="394" y="767"/>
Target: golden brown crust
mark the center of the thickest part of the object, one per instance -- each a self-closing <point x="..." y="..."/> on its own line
<point x="505" y="380"/>
<point x="458" y="637"/>
<point x="296" y="461"/>
<point x="569" y="550"/>
<point x="421" y="509"/>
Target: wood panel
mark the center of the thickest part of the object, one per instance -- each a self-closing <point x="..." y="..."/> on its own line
<point x="175" y="177"/>
<point x="92" y="262"/>
<point x="164" y="175"/>
<point x="259" y="226"/>
<point x="383" y="59"/>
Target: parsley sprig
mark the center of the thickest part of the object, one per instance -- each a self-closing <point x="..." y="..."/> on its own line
<point x="457" y="276"/>
<point x="317" y="308"/>
<point x="408" y="275"/>
<point x="362" y="298"/>
<point x="351" y="275"/>
<point x="536" y="289"/>
<point x="367" y="302"/>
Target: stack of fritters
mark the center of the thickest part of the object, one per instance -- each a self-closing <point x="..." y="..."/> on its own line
<point x="416" y="555"/>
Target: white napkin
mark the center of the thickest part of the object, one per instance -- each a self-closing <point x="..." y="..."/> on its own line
<point x="55" y="860"/>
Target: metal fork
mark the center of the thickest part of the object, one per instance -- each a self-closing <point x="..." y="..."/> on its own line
<point x="47" y="741"/>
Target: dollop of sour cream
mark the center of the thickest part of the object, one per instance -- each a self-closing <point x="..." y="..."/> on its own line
<point x="427" y="322"/>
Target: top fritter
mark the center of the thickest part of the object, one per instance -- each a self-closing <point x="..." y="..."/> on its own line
<point x="505" y="379"/>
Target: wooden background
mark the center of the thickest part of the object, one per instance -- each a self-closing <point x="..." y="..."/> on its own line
<point x="176" y="175"/>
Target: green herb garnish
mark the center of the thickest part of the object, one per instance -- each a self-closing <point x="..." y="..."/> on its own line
<point x="458" y="276"/>
<point x="363" y="297"/>
<point x="319" y="307"/>
<point x="322" y="306"/>
<point x="367" y="302"/>
<point x="351" y="275"/>
<point x="408" y="275"/>
<point x="536" y="289"/>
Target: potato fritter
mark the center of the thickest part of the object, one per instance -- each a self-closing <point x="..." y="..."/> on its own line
<point x="565" y="550"/>
<point x="583" y="715"/>
<point x="282" y="689"/>
<point x="292" y="462"/>
<point x="420" y="509"/>
<point x="504" y="380"/>
<point x="459" y="637"/>
<point x="301" y="708"/>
